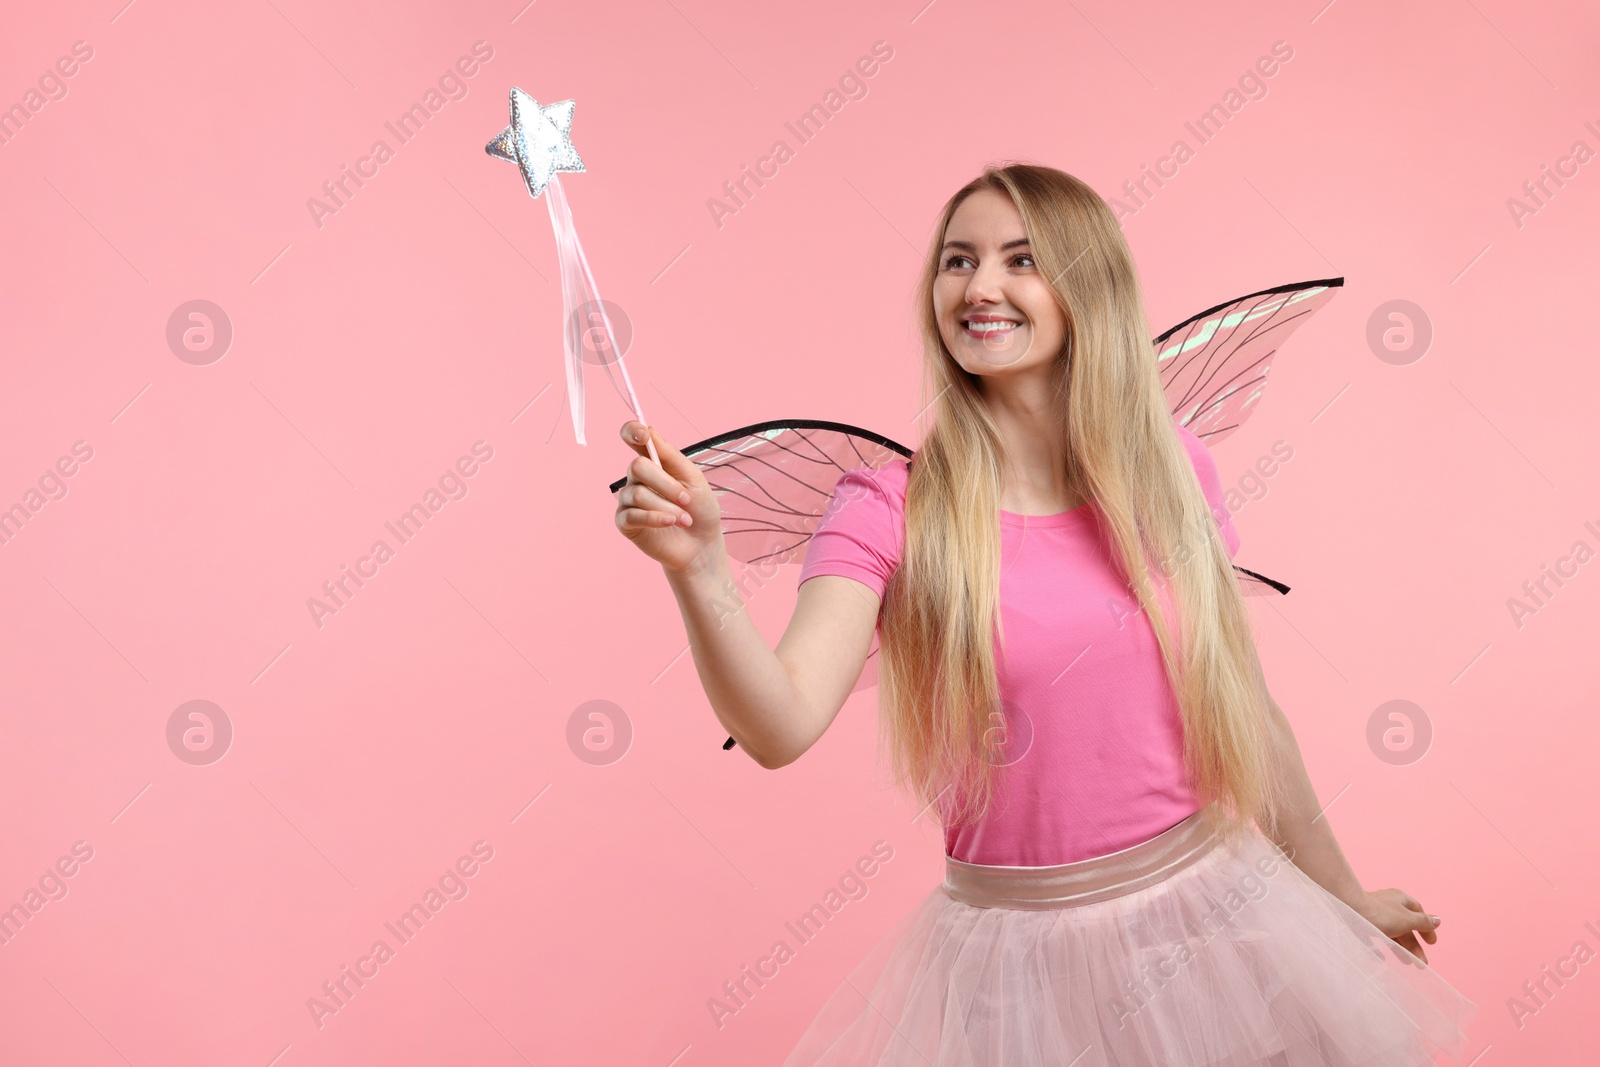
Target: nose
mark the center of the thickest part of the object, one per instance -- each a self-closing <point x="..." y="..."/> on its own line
<point x="983" y="287"/>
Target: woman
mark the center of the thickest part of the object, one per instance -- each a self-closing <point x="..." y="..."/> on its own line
<point x="1136" y="867"/>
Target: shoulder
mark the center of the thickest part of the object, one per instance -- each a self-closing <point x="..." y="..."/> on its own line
<point x="861" y="532"/>
<point x="885" y="484"/>
<point x="893" y="475"/>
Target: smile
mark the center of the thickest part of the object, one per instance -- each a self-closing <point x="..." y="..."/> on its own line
<point x="989" y="328"/>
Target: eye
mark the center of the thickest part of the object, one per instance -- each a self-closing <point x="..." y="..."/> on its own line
<point x="955" y="259"/>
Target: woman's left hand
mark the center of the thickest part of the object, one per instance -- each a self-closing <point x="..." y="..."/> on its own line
<point x="1398" y="914"/>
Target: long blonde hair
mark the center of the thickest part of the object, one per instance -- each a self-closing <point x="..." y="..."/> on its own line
<point x="938" y="688"/>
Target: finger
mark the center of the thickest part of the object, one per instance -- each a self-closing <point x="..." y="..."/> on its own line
<point x="1408" y="941"/>
<point x="674" y="462"/>
<point x="638" y="437"/>
<point x="647" y="473"/>
<point x="642" y="496"/>
<point x="633" y="436"/>
<point x="641" y="519"/>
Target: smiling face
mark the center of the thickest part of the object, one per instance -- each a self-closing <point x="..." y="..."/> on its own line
<point x="995" y="310"/>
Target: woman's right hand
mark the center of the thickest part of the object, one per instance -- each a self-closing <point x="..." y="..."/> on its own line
<point x="671" y="515"/>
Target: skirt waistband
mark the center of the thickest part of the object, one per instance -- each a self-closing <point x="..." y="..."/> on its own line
<point x="1067" y="885"/>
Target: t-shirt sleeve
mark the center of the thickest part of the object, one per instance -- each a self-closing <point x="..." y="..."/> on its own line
<point x="1205" y="468"/>
<point x="862" y="530"/>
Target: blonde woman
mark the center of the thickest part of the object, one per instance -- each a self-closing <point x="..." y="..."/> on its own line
<point x="1136" y="869"/>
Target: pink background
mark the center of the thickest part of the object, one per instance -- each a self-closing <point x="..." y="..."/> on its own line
<point x="432" y="710"/>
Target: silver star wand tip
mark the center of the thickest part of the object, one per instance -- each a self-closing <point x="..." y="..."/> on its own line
<point x="538" y="140"/>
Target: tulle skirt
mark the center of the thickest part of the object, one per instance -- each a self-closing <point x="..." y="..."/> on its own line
<point x="1188" y="949"/>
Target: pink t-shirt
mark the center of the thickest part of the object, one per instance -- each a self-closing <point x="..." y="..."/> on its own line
<point x="1081" y="673"/>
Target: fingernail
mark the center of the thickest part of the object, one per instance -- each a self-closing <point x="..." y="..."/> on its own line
<point x="638" y="436"/>
<point x="1435" y="919"/>
<point x="686" y="518"/>
<point x="683" y="498"/>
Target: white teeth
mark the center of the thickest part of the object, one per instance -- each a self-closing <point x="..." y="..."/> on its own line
<point x="990" y="327"/>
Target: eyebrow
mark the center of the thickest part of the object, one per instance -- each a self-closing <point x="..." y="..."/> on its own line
<point x="970" y="247"/>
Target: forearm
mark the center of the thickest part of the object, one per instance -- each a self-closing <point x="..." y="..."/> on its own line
<point x="750" y="690"/>
<point x="1307" y="839"/>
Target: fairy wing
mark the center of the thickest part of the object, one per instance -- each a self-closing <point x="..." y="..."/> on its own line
<point x="1214" y="365"/>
